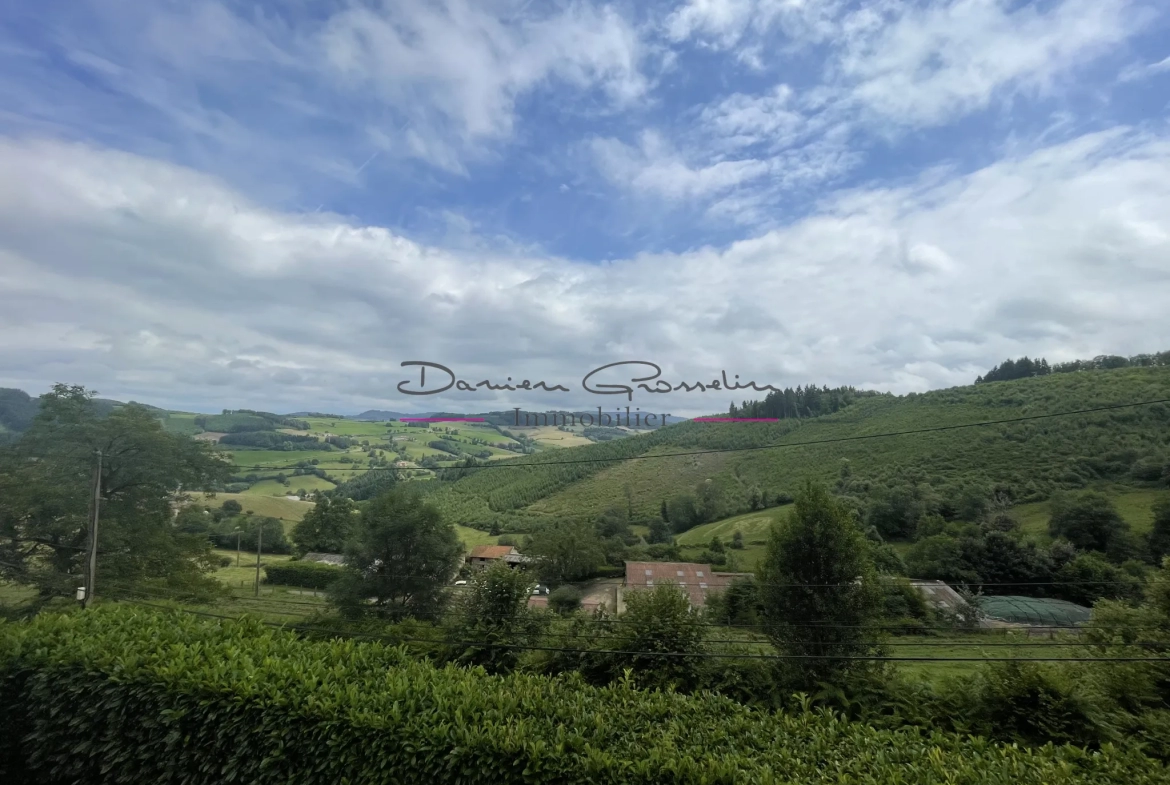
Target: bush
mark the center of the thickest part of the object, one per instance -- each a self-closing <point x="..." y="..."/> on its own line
<point x="565" y="599"/>
<point x="307" y="575"/>
<point x="122" y="695"/>
<point x="1026" y="703"/>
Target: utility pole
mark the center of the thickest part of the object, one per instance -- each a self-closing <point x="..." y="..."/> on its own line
<point x="238" y="533"/>
<point x="91" y="567"/>
<point x="259" y="542"/>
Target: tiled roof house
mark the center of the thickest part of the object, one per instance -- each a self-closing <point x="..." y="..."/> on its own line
<point x="694" y="579"/>
<point x="482" y="556"/>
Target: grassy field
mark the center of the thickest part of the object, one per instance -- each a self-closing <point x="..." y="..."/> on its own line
<point x="474" y="537"/>
<point x="551" y="436"/>
<point x="286" y="510"/>
<point x="309" y="482"/>
<point x="1134" y="504"/>
<point x="754" y="526"/>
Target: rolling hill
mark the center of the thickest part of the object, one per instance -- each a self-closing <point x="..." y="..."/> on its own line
<point x="1028" y="459"/>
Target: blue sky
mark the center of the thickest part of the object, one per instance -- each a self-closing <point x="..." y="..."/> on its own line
<point x="776" y="185"/>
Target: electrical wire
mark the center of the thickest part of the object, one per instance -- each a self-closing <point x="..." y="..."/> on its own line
<point x="498" y="464"/>
<point x="658" y="654"/>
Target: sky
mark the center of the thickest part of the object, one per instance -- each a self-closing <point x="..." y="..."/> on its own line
<point x="209" y="205"/>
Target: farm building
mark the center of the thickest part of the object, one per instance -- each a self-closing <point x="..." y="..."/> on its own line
<point x="483" y="556"/>
<point x="697" y="580"/>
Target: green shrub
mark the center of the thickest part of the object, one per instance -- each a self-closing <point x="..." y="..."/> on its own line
<point x="565" y="599"/>
<point x="122" y="695"/>
<point x="307" y="575"/>
<point x="1028" y="703"/>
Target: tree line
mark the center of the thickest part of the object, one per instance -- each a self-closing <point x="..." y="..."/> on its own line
<point x="810" y="401"/>
<point x="1026" y="367"/>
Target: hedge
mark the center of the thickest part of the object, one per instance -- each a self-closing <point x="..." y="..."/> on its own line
<point x="119" y="694"/>
<point x="309" y="575"/>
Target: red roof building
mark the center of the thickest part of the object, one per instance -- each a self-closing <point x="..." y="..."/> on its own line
<point x="696" y="580"/>
<point x="482" y="556"/>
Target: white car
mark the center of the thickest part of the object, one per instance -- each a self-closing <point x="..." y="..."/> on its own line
<point x="460" y="583"/>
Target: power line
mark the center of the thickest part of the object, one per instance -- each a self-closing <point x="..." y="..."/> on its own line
<point x="653" y="654"/>
<point x="159" y="593"/>
<point x="499" y="464"/>
<point x="759" y="641"/>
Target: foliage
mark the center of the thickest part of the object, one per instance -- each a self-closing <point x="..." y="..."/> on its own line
<point x="325" y="528"/>
<point x="307" y="575"/>
<point x="566" y="553"/>
<point x="1022" y="461"/>
<point x="46" y="490"/>
<point x="17" y="409"/>
<point x="271" y="440"/>
<point x="738" y="604"/>
<point x="1016" y="369"/>
<point x="660" y="624"/>
<point x="1027" y="703"/>
<point x="1158" y="541"/>
<point x="808" y="401"/>
<point x="659" y="530"/>
<point x="186" y="699"/>
<point x="565" y="599"/>
<point x="399" y="560"/>
<point x="266" y="532"/>
<point x="366" y="486"/>
<point x="1089" y="521"/>
<point x="818" y="587"/>
<point x="491" y="618"/>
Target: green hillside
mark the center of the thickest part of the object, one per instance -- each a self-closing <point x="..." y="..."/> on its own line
<point x="1027" y="460"/>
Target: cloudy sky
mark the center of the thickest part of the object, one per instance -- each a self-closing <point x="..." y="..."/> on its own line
<point x="211" y="205"/>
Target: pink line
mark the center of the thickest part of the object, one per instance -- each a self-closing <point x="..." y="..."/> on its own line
<point x="441" y="419"/>
<point x="737" y="419"/>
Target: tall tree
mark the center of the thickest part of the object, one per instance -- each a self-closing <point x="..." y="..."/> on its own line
<point x="399" y="560"/>
<point x="566" y="552"/>
<point x="660" y="625"/>
<point x="818" y="589"/>
<point x="1089" y="521"/>
<point x="46" y="489"/>
<point x="493" y="616"/>
<point x="326" y="527"/>
<point x="1158" y="540"/>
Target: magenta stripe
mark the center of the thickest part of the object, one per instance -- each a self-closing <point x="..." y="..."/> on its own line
<point x="737" y="419"/>
<point x="441" y="419"/>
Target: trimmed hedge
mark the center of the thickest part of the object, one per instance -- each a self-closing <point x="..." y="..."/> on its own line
<point x="119" y="694"/>
<point x="306" y="574"/>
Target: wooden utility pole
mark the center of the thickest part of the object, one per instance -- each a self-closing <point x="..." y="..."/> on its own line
<point x="91" y="567"/>
<point x="259" y="542"/>
<point x="238" y="533"/>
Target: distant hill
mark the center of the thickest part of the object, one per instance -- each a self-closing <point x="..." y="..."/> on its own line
<point x="378" y="415"/>
<point x="18" y="408"/>
<point x="1026" y="460"/>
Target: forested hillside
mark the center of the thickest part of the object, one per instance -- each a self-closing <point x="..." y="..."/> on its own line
<point x="1026" y="461"/>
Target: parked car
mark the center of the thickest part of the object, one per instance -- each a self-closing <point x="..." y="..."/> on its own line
<point x="540" y="589"/>
<point x="460" y="583"/>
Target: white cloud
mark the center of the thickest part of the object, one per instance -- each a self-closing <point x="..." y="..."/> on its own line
<point x="925" y="66"/>
<point x="724" y="24"/>
<point x="456" y="69"/>
<point x="153" y="282"/>
<point x="656" y="169"/>
<point x="1135" y="72"/>
<point x="890" y="68"/>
